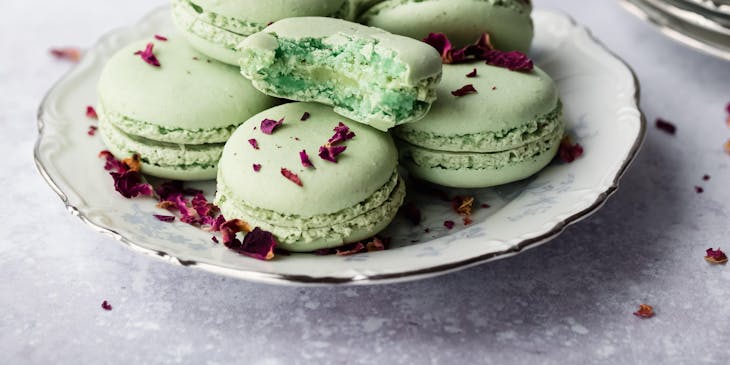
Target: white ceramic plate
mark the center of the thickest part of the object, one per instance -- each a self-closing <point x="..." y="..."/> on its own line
<point x="600" y="95"/>
<point x="692" y="27"/>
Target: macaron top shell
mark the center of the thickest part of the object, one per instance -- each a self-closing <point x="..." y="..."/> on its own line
<point x="505" y="100"/>
<point x="188" y="90"/>
<point x="420" y="58"/>
<point x="463" y="21"/>
<point x="269" y="10"/>
<point x="367" y="164"/>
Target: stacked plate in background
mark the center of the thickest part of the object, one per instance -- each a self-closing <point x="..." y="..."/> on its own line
<point x="701" y="24"/>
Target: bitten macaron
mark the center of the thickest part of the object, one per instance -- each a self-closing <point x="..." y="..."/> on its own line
<point x="507" y="128"/>
<point x="216" y="27"/>
<point x="507" y="21"/>
<point x="173" y="106"/>
<point x="366" y="74"/>
<point x="311" y="177"/>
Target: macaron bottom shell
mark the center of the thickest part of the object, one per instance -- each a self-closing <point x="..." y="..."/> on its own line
<point x="164" y="160"/>
<point x="479" y="170"/>
<point x="314" y="233"/>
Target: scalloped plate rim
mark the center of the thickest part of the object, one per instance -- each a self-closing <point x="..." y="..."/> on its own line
<point x="272" y="278"/>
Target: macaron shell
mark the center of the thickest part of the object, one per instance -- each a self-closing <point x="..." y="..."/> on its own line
<point x="362" y="169"/>
<point x="173" y="162"/>
<point x="188" y="91"/>
<point x="505" y="100"/>
<point x="480" y="178"/>
<point x="463" y="21"/>
<point x="421" y="59"/>
<point x="270" y="10"/>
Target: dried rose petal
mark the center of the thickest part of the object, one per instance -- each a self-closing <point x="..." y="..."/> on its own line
<point x="715" y="256"/>
<point x="699" y="190"/>
<point x="91" y="112"/>
<point x="203" y="207"/>
<point x="291" y="176"/>
<point x="130" y="184"/>
<point x="569" y="152"/>
<point x="485" y="206"/>
<point x="463" y="205"/>
<point x="106" y="306"/>
<point x="706" y="178"/>
<point x="214" y="239"/>
<point x="165" y="218"/>
<point x="468" y="221"/>
<point x="112" y="164"/>
<point x="258" y="244"/>
<point x="342" y="134"/>
<point x="442" y="44"/>
<point x="92" y="130"/>
<point x="330" y="153"/>
<point x="229" y="229"/>
<point x="305" y="116"/>
<point x="148" y="55"/>
<point x="472" y="74"/>
<point x="375" y="245"/>
<point x="350" y="250"/>
<point x="133" y="163"/>
<point x="254" y="143"/>
<point x="257" y="167"/>
<point x="160" y="38"/>
<point x="466" y="90"/>
<point x="512" y="60"/>
<point x="645" y="311"/>
<point x="412" y="213"/>
<point x="72" y="54"/>
<point x="727" y="147"/>
<point x="666" y="126"/>
<point x="268" y="125"/>
<point x="449" y="224"/>
<point x="306" y="162"/>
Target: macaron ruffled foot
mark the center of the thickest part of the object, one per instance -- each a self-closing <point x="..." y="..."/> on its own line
<point x="366" y="74"/>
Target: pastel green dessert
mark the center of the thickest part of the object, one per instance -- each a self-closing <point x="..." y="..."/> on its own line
<point x="507" y="131"/>
<point x="463" y="21"/>
<point x="337" y="203"/>
<point x="176" y="116"/>
<point x="367" y="74"/>
<point x="216" y="27"/>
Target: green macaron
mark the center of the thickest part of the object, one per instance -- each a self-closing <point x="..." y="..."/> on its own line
<point x="507" y="21"/>
<point x="508" y="130"/>
<point x="265" y="180"/>
<point x="177" y="115"/>
<point x="216" y="27"/>
<point x="367" y="74"/>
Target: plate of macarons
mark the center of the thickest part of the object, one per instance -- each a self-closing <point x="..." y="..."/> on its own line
<point x="340" y="141"/>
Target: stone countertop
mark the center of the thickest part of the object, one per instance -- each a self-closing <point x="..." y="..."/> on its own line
<point x="569" y="301"/>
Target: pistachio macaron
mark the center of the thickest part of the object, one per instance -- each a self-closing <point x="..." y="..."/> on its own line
<point x="311" y="177"/>
<point x="507" y="129"/>
<point x="216" y="27"/>
<point x="367" y="74"/>
<point x="507" y="21"/>
<point x="160" y="98"/>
